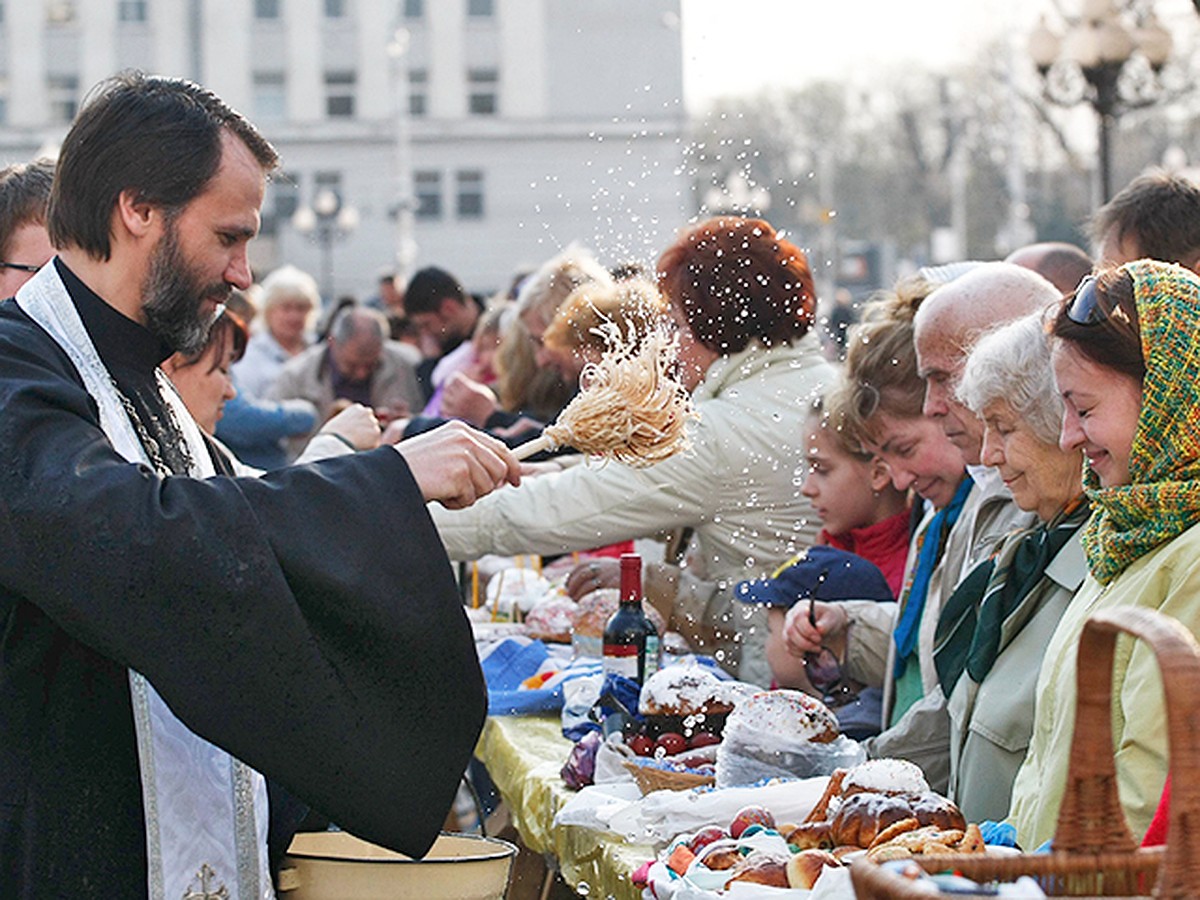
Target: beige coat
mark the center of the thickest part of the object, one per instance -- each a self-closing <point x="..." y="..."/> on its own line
<point x="393" y="386"/>
<point x="1166" y="579"/>
<point x="738" y="487"/>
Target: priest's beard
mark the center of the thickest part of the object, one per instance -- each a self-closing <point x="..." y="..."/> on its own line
<point x="173" y="298"/>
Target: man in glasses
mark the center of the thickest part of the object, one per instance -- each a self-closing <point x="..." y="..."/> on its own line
<point x="24" y="242"/>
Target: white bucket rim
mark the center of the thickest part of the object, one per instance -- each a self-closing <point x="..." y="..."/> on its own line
<point x="502" y="849"/>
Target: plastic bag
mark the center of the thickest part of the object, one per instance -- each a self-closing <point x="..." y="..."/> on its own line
<point x="580" y="767"/>
<point x="749" y="758"/>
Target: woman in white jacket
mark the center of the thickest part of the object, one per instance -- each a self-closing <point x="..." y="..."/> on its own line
<point x="743" y="301"/>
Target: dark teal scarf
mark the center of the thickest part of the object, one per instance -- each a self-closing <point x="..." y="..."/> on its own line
<point x="995" y="598"/>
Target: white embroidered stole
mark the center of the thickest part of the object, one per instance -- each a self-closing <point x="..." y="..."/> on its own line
<point x="206" y="812"/>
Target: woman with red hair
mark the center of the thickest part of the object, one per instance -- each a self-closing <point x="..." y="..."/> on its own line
<point x="742" y="300"/>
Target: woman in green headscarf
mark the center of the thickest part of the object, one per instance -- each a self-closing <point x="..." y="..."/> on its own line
<point x="1127" y="364"/>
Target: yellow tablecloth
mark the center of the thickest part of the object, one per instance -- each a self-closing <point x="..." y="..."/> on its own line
<point x="524" y="755"/>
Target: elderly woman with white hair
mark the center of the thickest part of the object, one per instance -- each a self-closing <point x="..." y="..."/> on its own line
<point x="289" y="301"/>
<point x="993" y="631"/>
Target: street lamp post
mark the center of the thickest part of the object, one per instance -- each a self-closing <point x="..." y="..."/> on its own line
<point x="325" y="221"/>
<point x="406" y="245"/>
<point x="1101" y="59"/>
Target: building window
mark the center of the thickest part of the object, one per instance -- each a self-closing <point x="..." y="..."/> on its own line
<point x="63" y="93"/>
<point x="335" y="9"/>
<point x="266" y="9"/>
<point x="60" y="12"/>
<point x="428" y="189"/>
<point x="327" y="179"/>
<point x="418" y="92"/>
<point x="469" y="190"/>
<point x="481" y="9"/>
<point x="414" y="9"/>
<point x="281" y="202"/>
<point x="270" y="96"/>
<point x="131" y="10"/>
<point x="339" y="94"/>
<point x="482" y="84"/>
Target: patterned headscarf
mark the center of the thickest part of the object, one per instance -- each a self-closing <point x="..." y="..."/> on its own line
<point x="1162" y="499"/>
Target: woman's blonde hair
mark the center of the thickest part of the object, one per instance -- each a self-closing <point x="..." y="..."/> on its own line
<point x="881" y="361"/>
<point x="635" y="305"/>
<point x="521" y="384"/>
<point x="543" y="292"/>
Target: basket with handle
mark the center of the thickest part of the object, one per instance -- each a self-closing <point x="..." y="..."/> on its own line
<point x="1094" y="853"/>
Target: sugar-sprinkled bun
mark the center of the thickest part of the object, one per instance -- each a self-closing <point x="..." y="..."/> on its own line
<point x="792" y="715"/>
<point x="885" y="776"/>
<point x="686" y="690"/>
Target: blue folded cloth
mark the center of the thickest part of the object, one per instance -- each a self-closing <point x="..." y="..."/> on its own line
<point x="998" y="834"/>
<point x="514" y="660"/>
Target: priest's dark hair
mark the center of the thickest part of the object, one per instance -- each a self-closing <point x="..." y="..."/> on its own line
<point x="157" y="137"/>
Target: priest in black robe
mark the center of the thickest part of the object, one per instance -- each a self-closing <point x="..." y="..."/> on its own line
<point x="305" y="625"/>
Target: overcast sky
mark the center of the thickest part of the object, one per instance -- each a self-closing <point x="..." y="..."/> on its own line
<point x="739" y="46"/>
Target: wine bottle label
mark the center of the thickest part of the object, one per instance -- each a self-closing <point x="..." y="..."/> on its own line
<point x="653" y="654"/>
<point x="621" y="659"/>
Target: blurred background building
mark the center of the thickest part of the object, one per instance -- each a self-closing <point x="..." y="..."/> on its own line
<point x="479" y="135"/>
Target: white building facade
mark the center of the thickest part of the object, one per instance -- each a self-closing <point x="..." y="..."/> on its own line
<point x="481" y="136"/>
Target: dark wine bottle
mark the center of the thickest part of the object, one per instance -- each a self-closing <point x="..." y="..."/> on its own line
<point x="631" y="644"/>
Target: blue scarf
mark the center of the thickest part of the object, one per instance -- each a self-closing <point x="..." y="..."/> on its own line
<point x="930" y="553"/>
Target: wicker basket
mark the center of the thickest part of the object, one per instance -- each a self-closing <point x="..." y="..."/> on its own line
<point x="1095" y="854"/>
<point x="650" y="779"/>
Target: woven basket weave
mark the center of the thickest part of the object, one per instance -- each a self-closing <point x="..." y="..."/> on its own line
<point x="1095" y="855"/>
<point x="650" y="779"/>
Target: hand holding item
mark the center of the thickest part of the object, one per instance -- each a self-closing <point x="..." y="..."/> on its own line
<point x="593" y="575"/>
<point x="456" y="465"/>
<point x="809" y="627"/>
<point x="356" y="425"/>
<point x="465" y="398"/>
<point x="398" y="409"/>
<point x="393" y="432"/>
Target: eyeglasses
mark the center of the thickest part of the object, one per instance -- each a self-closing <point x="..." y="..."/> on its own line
<point x="1085" y="308"/>
<point x="20" y="267"/>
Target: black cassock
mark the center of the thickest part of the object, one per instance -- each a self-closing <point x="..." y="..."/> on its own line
<point x="306" y="622"/>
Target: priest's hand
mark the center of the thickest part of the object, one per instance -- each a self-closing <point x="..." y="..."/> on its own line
<point x="456" y="465"/>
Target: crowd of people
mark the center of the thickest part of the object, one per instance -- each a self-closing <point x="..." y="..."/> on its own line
<point x="208" y="523"/>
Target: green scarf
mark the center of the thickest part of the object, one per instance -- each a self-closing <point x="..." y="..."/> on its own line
<point x="999" y="597"/>
<point x="1162" y="499"/>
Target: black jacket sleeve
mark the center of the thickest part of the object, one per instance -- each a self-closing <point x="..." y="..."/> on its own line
<point x="306" y="622"/>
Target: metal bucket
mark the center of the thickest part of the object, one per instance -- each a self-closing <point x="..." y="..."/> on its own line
<point x="334" y="865"/>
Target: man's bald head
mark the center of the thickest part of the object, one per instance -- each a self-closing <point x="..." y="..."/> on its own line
<point x="1063" y="265"/>
<point x="949" y="322"/>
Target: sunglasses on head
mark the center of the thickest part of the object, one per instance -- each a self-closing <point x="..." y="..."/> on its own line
<point x="1084" y="308"/>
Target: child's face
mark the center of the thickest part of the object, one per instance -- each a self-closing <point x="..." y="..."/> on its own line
<point x="837" y="484"/>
